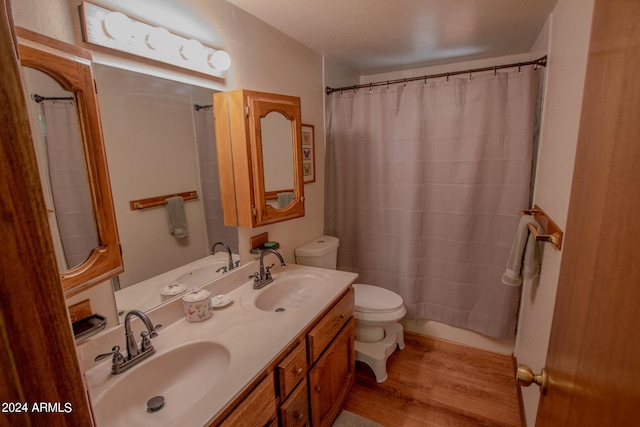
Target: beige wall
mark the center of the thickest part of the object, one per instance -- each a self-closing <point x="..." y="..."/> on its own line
<point x="568" y="40"/>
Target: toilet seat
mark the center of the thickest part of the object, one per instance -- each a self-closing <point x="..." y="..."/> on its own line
<point x="376" y="300"/>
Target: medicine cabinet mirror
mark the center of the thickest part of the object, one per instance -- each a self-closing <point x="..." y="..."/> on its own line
<point x="71" y="69"/>
<point x="264" y="146"/>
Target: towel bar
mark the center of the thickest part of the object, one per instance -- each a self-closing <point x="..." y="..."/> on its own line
<point x="553" y="233"/>
<point x="159" y="200"/>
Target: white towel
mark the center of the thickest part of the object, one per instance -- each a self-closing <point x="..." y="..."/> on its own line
<point x="524" y="258"/>
<point x="285" y="199"/>
<point x="177" y="218"/>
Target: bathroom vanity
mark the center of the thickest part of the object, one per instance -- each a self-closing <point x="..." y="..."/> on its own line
<point x="280" y="355"/>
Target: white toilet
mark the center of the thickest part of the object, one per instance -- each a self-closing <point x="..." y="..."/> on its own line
<point x="377" y="310"/>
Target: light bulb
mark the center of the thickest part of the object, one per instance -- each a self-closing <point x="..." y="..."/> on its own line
<point x="117" y="26"/>
<point x="157" y="38"/>
<point x="220" y="60"/>
<point x="191" y="50"/>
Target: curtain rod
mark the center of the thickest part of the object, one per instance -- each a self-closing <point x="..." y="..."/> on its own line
<point x="38" y="98"/>
<point x="200" y="107"/>
<point x="538" y="62"/>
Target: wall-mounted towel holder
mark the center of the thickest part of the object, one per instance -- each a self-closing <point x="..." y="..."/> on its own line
<point x="553" y="233"/>
<point x="152" y="202"/>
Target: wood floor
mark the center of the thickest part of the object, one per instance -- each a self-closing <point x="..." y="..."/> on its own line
<point x="438" y="383"/>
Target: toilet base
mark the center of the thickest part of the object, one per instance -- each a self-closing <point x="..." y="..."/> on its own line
<point x="375" y="354"/>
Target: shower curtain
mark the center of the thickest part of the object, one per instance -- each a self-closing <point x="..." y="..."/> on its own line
<point x="73" y="209"/>
<point x="210" y="181"/>
<point x="424" y="184"/>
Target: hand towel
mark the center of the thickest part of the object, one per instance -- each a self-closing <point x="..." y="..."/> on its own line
<point x="177" y="218"/>
<point x="524" y="258"/>
<point x="285" y="199"/>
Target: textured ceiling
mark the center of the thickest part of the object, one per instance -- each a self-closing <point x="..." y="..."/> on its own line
<point x="373" y="36"/>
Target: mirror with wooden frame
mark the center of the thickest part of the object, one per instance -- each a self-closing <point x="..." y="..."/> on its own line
<point x="260" y="135"/>
<point x="71" y="68"/>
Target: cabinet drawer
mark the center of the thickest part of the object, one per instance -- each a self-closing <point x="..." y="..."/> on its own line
<point x="292" y="370"/>
<point x="257" y="409"/>
<point x="295" y="411"/>
<point x="322" y="334"/>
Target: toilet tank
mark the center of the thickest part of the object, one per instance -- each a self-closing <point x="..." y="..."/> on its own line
<point x="319" y="252"/>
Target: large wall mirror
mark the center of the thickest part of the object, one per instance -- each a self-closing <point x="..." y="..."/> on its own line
<point x="160" y="139"/>
<point x="69" y="146"/>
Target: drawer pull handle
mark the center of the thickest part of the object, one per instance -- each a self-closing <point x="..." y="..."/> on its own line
<point x="298" y="416"/>
<point x="339" y="320"/>
<point x="298" y="371"/>
<point x="318" y="389"/>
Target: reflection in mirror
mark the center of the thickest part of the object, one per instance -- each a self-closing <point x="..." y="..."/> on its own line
<point x="63" y="172"/>
<point x="157" y="143"/>
<point x="277" y="144"/>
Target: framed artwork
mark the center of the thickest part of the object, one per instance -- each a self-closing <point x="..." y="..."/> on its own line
<point x="308" y="154"/>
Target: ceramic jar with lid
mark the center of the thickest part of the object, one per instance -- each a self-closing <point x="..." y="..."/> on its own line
<point x="197" y="305"/>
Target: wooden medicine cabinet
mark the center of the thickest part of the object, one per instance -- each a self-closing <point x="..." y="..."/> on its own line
<point x="70" y="69"/>
<point x="259" y="143"/>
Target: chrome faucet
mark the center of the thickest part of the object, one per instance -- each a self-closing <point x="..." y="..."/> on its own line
<point x="135" y="354"/>
<point x="224" y="245"/>
<point x="263" y="277"/>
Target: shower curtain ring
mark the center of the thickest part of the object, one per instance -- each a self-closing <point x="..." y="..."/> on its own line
<point x="370" y="87"/>
<point x="405" y="82"/>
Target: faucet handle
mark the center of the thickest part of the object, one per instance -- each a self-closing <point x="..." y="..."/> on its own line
<point x="114" y="351"/>
<point x="118" y="358"/>
<point x="268" y="271"/>
<point x="146" y="341"/>
<point x="153" y="333"/>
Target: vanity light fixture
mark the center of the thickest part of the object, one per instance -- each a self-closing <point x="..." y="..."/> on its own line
<point x="117" y="31"/>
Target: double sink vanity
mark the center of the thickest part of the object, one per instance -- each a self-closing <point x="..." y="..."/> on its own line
<point x="279" y="355"/>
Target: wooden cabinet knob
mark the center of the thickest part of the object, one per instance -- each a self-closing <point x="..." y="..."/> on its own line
<point x="298" y="371"/>
<point x="318" y="389"/>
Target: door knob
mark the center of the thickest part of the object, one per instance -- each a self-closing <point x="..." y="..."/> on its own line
<point x="525" y="376"/>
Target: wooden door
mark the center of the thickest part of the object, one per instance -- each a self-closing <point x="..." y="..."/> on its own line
<point x="593" y="361"/>
<point x="38" y="362"/>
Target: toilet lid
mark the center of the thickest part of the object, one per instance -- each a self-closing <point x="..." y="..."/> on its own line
<point x="370" y="299"/>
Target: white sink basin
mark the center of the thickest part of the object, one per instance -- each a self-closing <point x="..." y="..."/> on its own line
<point x="182" y="376"/>
<point x="290" y="292"/>
<point x="202" y="275"/>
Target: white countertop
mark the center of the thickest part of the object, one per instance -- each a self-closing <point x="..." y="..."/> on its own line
<point x="253" y="337"/>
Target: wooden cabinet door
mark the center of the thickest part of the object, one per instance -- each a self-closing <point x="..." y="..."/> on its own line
<point x="332" y="377"/>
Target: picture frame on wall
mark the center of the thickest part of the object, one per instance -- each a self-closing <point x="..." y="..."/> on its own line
<point x="308" y="154"/>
